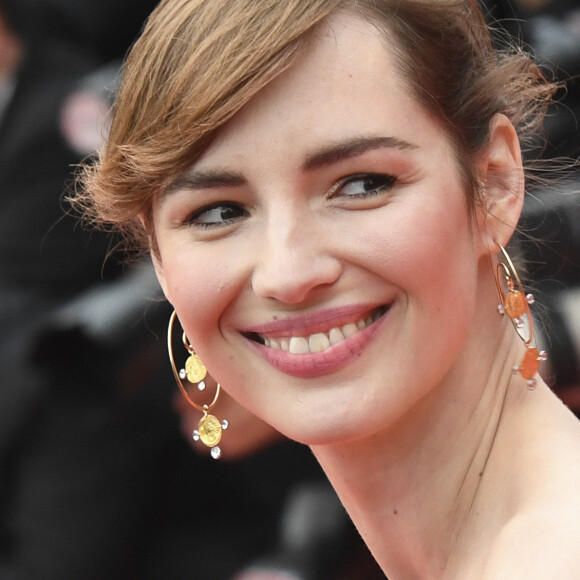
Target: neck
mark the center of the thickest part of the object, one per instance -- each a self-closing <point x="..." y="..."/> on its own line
<point x="412" y="489"/>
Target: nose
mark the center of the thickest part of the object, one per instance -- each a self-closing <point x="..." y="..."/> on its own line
<point x="294" y="260"/>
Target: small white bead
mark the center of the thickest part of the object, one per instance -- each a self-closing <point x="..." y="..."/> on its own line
<point x="225" y="424"/>
<point x="196" y="435"/>
<point x="216" y="452"/>
<point x="182" y="374"/>
<point x="201" y="386"/>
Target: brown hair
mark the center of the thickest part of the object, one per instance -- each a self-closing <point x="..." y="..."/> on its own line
<point x="199" y="61"/>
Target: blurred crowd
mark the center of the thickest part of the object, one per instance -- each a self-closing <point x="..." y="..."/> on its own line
<point x="97" y="479"/>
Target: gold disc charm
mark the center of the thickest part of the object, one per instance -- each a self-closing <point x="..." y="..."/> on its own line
<point x="210" y="430"/>
<point x="195" y="369"/>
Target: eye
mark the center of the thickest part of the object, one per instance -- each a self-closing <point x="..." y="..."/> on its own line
<point x="365" y="185"/>
<point x="216" y="215"/>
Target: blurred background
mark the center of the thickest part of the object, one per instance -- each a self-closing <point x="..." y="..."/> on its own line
<point x="99" y="479"/>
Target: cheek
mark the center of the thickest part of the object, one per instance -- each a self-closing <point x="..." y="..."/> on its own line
<point x="443" y="288"/>
<point x="199" y="286"/>
<point x="427" y="252"/>
<point x="422" y="241"/>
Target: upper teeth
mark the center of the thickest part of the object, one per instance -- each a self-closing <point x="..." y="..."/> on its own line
<point x="321" y="340"/>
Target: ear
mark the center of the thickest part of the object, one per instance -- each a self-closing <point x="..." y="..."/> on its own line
<point x="502" y="178"/>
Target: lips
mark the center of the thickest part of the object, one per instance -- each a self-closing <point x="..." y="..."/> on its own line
<point x="319" y="341"/>
<point x="327" y="348"/>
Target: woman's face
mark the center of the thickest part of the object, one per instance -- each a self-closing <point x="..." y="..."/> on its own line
<point x="319" y="254"/>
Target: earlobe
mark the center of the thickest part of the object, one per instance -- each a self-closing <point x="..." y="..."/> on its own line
<point x="502" y="178"/>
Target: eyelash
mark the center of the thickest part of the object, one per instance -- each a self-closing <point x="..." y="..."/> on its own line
<point x="385" y="182"/>
<point x="223" y="206"/>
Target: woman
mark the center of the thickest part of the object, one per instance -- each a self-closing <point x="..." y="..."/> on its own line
<point x="327" y="189"/>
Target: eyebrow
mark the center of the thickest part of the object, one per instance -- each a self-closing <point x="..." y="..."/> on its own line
<point x="205" y="179"/>
<point x="352" y="147"/>
<point x="198" y="179"/>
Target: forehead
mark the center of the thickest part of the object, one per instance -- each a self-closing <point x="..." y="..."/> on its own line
<point x="345" y="85"/>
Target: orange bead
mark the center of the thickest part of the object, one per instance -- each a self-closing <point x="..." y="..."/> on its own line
<point x="530" y="363"/>
<point x="515" y="304"/>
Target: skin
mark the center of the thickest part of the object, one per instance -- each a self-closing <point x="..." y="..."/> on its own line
<point x="342" y="199"/>
<point x="246" y="435"/>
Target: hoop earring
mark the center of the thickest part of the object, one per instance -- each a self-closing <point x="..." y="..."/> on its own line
<point x="516" y="304"/>
<point x="209" y="430"/>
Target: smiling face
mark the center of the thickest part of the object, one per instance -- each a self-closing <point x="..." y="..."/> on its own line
<point x="319" y="253"/>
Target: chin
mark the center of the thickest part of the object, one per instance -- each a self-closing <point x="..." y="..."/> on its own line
<point x="317" y="433"/>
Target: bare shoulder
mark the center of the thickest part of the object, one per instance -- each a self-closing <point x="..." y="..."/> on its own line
<point x="540" y="538"/>
<point x="540" y="545"/>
